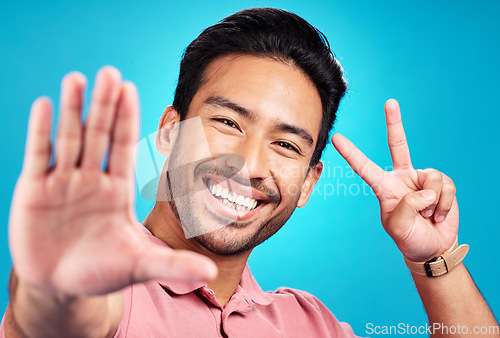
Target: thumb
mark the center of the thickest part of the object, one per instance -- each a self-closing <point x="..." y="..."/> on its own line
<point x="403" y="216"/>
<point x="164" y="263"/>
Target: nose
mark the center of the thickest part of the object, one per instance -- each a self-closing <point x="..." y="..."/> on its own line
<point x="251" y="158"/>
<point x="234" y="162"/>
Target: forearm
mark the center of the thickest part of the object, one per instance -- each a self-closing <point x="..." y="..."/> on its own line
<point x="34" y="313"/>
<point x="453" y="299"/>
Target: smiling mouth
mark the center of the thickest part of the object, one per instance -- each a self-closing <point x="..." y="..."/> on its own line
<point x="232" y="199"/>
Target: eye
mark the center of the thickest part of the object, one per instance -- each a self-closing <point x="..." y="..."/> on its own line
<point x="288" y="146"/>
<point x="227" y="122"/>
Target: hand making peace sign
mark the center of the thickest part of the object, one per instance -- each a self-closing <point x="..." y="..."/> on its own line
<point x="418" y="208"/>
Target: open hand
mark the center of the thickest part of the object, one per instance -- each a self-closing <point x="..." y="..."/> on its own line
<point x="418" y="207"/>
<point x="72" y="227"/>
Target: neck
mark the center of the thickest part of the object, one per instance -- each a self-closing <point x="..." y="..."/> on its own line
<point x="163" y="224"/>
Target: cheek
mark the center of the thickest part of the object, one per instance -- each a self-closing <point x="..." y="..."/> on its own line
<point x="192" y="142"/>
<point x="220" y="143"/>
<point x="289" y="178"/>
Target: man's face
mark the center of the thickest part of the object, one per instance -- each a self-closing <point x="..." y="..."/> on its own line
<point x="261" y="119"/>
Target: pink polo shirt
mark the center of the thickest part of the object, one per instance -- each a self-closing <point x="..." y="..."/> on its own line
<point x="176" y="309"/>
<point x="180" y="309"/>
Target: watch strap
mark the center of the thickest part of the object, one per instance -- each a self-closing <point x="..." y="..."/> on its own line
<point x="441" y="265"/>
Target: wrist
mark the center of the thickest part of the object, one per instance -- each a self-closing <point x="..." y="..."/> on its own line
<point x="38" y="313"/>
<point x="439" y="265"/>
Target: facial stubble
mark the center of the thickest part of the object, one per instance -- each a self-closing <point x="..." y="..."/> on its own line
<point x="228" y="239"/>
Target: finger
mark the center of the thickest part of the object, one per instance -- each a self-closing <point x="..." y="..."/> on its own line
<point x="396" y="136"/>
<point x="433" y="180"/>
<point x="125" y="133"/>
<point x="362" y="165"/>
<point x="37" y="154"/>
<point x="69" y="135"/>
<point x="162" y="263"/>
<point x="402" y="218"/>
<point x="101" y="115"/>
<point x="448" y="192"/>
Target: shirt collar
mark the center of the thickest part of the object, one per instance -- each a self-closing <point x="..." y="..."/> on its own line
<point x="248" y="287"/>
<point x="177" y="287"/>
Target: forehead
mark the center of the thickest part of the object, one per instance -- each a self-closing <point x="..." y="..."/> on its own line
<point x="274" y="90"/>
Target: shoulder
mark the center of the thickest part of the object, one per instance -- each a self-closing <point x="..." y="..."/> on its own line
<point x="303" y="306"/>
<point x="298" y="297"/>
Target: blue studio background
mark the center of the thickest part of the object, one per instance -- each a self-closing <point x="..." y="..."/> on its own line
<point x="439" y="59"/>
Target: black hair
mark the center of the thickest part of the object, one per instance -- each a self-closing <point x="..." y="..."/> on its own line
<point x="272" y="33"/>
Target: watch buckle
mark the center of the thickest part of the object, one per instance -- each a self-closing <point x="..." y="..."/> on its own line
<point x="427" y="267"/>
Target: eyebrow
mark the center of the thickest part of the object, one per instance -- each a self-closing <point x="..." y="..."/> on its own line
<point x="280" y="125"/>
<point x="302" y="133"/>
<point x="225" y="103"/>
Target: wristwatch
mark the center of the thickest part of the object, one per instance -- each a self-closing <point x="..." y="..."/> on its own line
<point x="441" y="265"/>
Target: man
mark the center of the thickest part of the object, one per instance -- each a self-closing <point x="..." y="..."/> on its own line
<point x="260" y="90"/>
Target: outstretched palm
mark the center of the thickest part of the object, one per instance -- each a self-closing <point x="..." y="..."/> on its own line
<point x="72" y="227"/>
<point x="418" y="208"/>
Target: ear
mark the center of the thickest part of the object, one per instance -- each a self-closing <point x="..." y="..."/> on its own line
<point x="167" y="130"/>
<point x="312" y="177"/>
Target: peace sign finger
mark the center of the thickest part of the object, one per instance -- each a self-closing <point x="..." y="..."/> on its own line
<point x="396" y="137"/>
<point x="366" y="169"/>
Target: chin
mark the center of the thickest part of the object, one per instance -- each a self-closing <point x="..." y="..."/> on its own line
<point x="222" y="247"/>
<point x="237" y="237"/>
<point x="223" y="230"/>
<point x="231" y="240"/>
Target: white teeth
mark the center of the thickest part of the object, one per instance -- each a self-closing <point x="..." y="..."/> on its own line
<point x="219" y="190"/>
<point x="231" y="199"/>
<point x="239" y="200"/>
